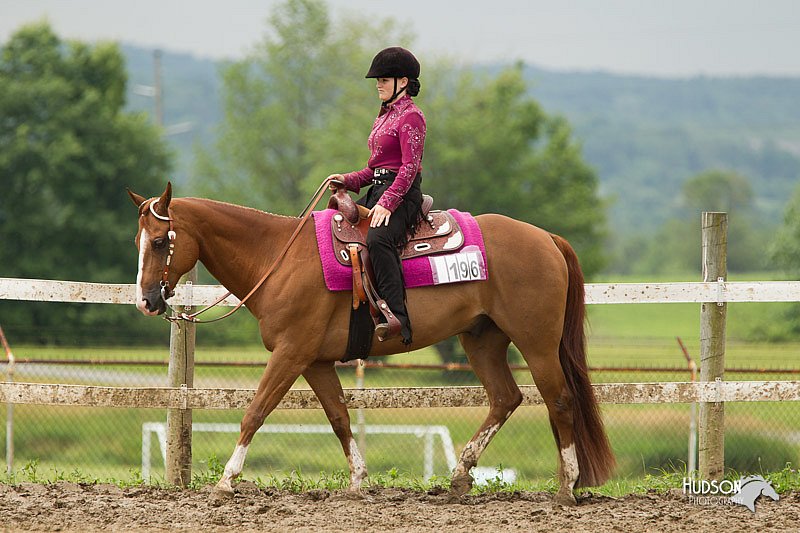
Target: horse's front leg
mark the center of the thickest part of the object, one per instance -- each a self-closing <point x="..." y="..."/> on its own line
<point x="326" y="385"/>
<point x="281" y="372"/>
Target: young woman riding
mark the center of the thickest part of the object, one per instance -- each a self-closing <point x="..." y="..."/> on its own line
<point x="394" y="169"/>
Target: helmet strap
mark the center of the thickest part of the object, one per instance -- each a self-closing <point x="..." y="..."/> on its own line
<point x="388" y="102"/>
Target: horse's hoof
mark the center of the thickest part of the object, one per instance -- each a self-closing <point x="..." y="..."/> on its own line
<point x="565" y="499"/>
<point x="223" y="489"/>
<point x="452" y="498"/>
<point x="355" y="488"/>
<point x="354" y="494"/>
<point x="460" y="485"/>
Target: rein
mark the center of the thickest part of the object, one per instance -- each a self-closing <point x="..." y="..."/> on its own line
<point x="304" y="216"/>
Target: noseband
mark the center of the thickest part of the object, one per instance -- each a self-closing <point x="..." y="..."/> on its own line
<point x="166" y="293"/>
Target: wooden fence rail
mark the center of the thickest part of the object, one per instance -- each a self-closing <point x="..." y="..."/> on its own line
<point x="388" y="398"/>
<point x="596" y="293"/>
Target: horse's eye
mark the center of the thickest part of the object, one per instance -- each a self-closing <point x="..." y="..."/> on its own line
<point x="159" y="243"/>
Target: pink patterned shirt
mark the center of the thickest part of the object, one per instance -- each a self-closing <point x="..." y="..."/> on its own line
<point x="396" y="143"/>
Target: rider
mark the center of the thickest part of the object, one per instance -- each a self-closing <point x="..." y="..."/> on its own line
<point x="394" y="170"/>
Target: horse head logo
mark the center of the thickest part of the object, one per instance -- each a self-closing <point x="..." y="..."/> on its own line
<point x="751" y="488"/>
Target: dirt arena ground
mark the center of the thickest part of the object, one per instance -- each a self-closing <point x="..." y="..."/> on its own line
<point x="73" y="507"/>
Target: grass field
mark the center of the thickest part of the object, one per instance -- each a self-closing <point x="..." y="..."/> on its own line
<point x="647" y="439"/>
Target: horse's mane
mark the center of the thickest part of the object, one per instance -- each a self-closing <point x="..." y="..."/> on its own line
<point x="236" y="206"/>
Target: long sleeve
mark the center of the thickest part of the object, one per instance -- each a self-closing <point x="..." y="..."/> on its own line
<point x="355" y="180"/>
<point x="411" y="136"/>
<point x="396" y="143"/>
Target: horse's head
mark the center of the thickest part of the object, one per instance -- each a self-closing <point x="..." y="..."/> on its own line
<point x="164" y="256"/>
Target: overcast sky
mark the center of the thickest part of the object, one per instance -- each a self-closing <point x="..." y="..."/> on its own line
<point x="675" y="38"/>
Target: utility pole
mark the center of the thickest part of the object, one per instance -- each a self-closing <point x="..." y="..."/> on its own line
<point x="157" y="91"/>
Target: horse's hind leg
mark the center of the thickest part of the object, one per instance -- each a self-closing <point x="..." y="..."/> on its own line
<point x="326" y="385"/>
<point x="281" y="372"/>
<point x="548" y="375"/>
<point x="487" y="352"/>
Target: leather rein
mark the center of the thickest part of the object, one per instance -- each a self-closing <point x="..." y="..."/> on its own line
<point x="167" y="293"/>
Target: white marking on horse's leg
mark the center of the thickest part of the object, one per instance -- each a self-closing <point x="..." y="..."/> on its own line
<point x="233" y="468"/>
<point x="140" y="304"/>
<point x="569" y="466"/>
<point x="358" y="468"/>
<point x="473" y="451"/>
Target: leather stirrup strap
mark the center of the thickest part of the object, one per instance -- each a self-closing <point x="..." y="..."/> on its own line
<point x="359" y="293"/>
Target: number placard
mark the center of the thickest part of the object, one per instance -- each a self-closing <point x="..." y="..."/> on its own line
<point x="466" y="265"/>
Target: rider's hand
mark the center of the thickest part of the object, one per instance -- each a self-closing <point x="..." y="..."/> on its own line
<point x="337" y="177"/>
<point x="379" y="215"/>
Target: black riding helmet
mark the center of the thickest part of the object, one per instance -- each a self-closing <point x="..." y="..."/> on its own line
<point x="396" y="62"/>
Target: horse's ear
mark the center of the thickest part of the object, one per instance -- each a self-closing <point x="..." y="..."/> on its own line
<point x="137" y="199"/>
<point x="163" y="203"/>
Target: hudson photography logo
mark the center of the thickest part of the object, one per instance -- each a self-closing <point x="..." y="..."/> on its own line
<point x="744" y="491"/>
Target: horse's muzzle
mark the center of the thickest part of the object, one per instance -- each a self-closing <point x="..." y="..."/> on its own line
<point x="152" y="303"/>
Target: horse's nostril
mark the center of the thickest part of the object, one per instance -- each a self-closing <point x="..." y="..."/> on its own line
<point x="151" y="304"/>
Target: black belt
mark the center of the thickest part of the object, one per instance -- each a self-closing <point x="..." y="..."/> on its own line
<point x="382" y="175"/>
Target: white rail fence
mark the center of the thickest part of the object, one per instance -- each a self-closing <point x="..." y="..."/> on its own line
<point x="38" y="290"/>
<point x="596" y="293"/>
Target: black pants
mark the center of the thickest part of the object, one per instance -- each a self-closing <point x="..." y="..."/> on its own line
<point x="384" y="244"/>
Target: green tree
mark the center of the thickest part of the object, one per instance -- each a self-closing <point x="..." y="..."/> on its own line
<point x="492" y="149"/>
<point x="784" y="250"/>
<point x="718" y="190"/>
<point x="67" y="152"/>
<point x="675" y="248"/>
<point x="784" y="253"/>
<point x="294" y="109"/>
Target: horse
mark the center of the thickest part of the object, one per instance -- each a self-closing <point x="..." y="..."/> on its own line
<point x="533" y="297"/>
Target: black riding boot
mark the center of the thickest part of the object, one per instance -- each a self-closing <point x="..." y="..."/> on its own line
<point x="384" y="243"/>
<point x="382" y="248"/>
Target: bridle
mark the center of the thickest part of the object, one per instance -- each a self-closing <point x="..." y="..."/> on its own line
<point x="167" y="293"/>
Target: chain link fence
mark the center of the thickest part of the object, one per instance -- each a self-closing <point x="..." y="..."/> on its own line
<point x="122" y="444"/>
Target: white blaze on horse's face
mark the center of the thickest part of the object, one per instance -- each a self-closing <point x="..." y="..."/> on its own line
<point x="141" y="303"/>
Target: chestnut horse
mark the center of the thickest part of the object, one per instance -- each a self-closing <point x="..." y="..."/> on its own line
<point x="534" y="297"/>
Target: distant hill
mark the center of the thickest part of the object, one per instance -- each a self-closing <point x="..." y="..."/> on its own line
<point x="644" y="136"/>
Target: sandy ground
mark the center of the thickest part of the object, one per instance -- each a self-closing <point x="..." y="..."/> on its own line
<point x="87" y="508"/>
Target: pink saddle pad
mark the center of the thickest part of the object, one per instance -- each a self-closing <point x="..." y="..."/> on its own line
<point x="466" y="264"/>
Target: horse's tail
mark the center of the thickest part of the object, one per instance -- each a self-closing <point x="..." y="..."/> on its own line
<point x="595" y="458"/>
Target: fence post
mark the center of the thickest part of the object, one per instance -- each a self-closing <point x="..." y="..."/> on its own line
<point x="711" y="449"/>
<point x="181" y="374"/>
<point x="9" y="406"/>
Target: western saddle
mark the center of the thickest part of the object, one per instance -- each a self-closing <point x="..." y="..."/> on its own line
<point x="438" y="232"/>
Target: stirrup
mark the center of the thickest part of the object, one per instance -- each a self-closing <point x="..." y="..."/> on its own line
<point x="385" y="332"/>
<point x="382" y="330"/>
<point x="389" y="329"/>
